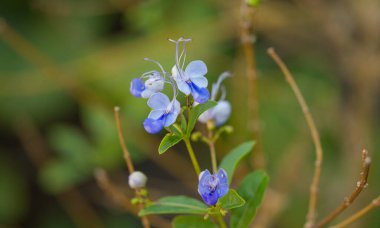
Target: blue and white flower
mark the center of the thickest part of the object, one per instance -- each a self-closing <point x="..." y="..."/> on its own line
<point x="154" y="84"/>
<point x="222" y="111"/>
<point x="211" y="187"/>
<point x="164" y="113"/>
<point x="192" y="79"/>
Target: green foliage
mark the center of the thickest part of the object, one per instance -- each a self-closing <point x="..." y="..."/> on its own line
<point x="186" y="221"/>
<point x="253" y="3"/>
<point x="175" y="205"/>
<point x="252" y="190"/>
<point x="231" y="160"/>
<point x="58" y="176"/>
<point x="195" y="113"/>
<point x="168" y="141"/>
<point x="13" y="191"/>
<point x="231" y="200"/>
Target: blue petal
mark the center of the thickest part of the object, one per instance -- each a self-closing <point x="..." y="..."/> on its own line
<point x="223" y="182"/>
<point x="221" y="112"/>
<point x="210" y="198"/>
<point x="156" y="114"/>
<point x="200" y="95"/>
<point x="153" y="126"/>
<point x="183" y="86"/>
<point x="172" y="116"/>
<point x="196" y="67"/>
<point x="158" y="101"/>
<point x="199" y="81"/>
<point x="137" y="87"/>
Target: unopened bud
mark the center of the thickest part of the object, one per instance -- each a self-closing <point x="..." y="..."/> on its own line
<point x="137" y="180"/>
<point x="196" y="136"/>
<point x="229" y="129"/>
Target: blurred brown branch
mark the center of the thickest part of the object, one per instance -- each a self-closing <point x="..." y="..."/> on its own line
<point x="314" y="134"/>
<point x="361" y="184"/>
<point x="247" y="39"/>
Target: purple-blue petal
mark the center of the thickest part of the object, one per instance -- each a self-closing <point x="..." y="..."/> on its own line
<point x="137" y="87"/>
<point x="153" y="126"/>
<point x="212" y="186"/>
<point x="200" y="95"/>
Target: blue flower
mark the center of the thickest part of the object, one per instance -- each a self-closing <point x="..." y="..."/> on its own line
<point x="164" y="113"/>
<point x="154" y="83"/>
<point x="211" y="187"/>
<point x="192" y="79"/>
<point x="222" y="111"/>
<point x="137" y="87"/>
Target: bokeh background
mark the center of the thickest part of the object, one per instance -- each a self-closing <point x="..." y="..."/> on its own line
<point x="65" y="64"/>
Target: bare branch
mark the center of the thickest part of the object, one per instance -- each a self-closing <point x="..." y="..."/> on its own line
<point x="126" y="154"/>
<point x="310" y="218"/>
<point x="360" y="185"/>
<point x="375" y="203"/>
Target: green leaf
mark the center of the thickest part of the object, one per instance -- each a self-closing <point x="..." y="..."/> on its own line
<point x="231" y="200"/>
<point x="195" y="113"/>
<point x="168" y="141"/>
<point x="253" y="3"/>
<point x="175" y="205"/>
<point x="252" y="190"/>
<point x="230" y="161"/>
<point x="186" y="221"/>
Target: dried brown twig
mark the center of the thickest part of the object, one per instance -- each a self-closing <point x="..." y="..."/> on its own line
<point x="375" y="203"/>
<point x="310" y="218"/>
<point x="127" y="156"/>
<point x="128" y="160"/>
<point x="361" y="184"/>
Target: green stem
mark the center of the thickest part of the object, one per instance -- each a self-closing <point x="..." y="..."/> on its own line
<point x="221" y="222"/>
<point x="192" y="156"/>
<point x="212" y="151"/>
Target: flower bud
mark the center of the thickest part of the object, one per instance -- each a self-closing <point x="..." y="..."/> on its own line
<point x="137" y="180"/>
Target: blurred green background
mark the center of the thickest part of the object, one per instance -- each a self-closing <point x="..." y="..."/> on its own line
<point x="65" y="64"/>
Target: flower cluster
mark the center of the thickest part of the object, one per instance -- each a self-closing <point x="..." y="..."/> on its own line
<point x="189" y="80"/>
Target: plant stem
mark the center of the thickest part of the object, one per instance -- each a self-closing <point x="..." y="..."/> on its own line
<point x="211" y="144"/>
<point x="127" y="156"/>
<point x="310" y="218"/>
<point x="194" y="160"/>
<point x="366" y="162"/>
<point x="375" y="203"/>
<point x="221" y="222"/>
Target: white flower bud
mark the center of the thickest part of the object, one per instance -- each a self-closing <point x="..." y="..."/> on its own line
<point x="137" y="180"/>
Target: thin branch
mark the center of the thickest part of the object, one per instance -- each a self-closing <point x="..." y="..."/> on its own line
<point x="361" y="184"/>
<point x="127" y="156"/>
<point x="310" y="218"/>
<point x="375" y="203"/>
<point x="128" y="160"/>
<point x="247" y="39"/>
